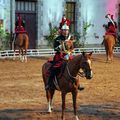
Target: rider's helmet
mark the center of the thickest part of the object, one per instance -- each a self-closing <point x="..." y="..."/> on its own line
<point x="65" y="27"/>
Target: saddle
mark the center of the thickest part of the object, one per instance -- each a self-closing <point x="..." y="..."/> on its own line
<point x="20" y="29"/>
<point x="58" y="75"/>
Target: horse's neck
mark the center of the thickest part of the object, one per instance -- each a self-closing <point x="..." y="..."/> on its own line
<point x="74" y="65"/>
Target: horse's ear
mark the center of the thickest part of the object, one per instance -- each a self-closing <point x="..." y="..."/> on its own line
<point x="83" y="53"/>
<point x="90" y="53"/>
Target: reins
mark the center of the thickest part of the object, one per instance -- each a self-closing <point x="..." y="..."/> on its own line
<point x="70" y="73"/>
<point x="73" y="78"/>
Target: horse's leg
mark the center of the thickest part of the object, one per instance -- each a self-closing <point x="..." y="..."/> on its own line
<point x="74" y="96"/>
<point x="14" y="53"/>
<point x="21" y="54"/>
<point x="49" y="95"/>
<point x="26" y="47"/>
<point x="51" y="102"/>
<point x="108" y="55"/>
<point x="13" y="46"/>
<point x="106" y="49"/>
<point x="25" y="55"/>
<point x="112" y="53"/>
<point x="63" y="105"/>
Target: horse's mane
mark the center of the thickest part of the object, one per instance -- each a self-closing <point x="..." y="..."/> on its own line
<point x="75" y="59"/>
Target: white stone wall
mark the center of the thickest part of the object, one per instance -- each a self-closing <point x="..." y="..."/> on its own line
<point x="48" y="11"/>
<point x="39" y="40"/>
<point x="91" y="11"/>
<point x="5" y="13"/>
<point x="94" y="11"/>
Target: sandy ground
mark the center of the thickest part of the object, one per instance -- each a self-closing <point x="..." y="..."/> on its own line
<point x="22" y="94"/>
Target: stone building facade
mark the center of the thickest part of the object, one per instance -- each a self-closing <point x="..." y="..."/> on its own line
<point x="38" y="14"/>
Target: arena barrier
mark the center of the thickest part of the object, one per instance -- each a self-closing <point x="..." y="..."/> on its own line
<point x="50" y="52"/>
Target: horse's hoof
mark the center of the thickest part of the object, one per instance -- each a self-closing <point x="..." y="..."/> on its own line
<point x="52" y="108"/>
<point x="76" y="117"/>
<point x="21" y="60"/>
<point x="14" y="59"/>
<point x="62" y="118"/>
<point x="49" y="111"/>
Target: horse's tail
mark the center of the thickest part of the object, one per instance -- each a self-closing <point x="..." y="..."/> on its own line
<point x="109" y="45"/>
<point x="110" y="41"/>
<point x="26" y="41"/>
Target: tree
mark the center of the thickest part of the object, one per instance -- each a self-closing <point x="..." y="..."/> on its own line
<point x="86" y="26"/>
<point x="53" y="33"/>
<point x="4" y="39"/>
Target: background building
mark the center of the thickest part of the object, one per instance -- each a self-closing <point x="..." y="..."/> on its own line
<point x="5" y="14"/>
<point x="39" y="13"/>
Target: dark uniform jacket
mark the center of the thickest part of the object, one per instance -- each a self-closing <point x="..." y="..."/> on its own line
<point x="57" y="42"/>
<point x="58" y="58"/>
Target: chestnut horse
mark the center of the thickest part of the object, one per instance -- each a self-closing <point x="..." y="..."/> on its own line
<point x="68" y="81"/>
<point x="109" y="42"/>
<point x="22" y="43"/>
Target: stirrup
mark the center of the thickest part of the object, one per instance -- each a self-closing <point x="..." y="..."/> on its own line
<point x="47" y="87"/>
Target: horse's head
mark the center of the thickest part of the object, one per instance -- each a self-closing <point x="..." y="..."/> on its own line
<point x="86" y="65"/>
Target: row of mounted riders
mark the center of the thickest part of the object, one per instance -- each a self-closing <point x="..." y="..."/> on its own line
<point x="63" y="44"/>
<point x="61" y="72"/>
<point x="110" y="28"/>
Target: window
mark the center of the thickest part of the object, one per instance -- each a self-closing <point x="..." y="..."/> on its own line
<point x="25" y="6"/>
<point x="70" y="14"/>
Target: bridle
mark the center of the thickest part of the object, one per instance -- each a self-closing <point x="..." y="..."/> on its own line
<point x="73" y="78"/>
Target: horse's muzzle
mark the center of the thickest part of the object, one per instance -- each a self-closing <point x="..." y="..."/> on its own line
<point x="88" y="74"/>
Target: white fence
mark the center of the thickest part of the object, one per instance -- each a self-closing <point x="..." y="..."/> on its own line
<point x="50" y="52"/>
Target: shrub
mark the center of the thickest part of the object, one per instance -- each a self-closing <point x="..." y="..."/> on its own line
<point x="4" y="39"/>
<point x="53" y="34"/>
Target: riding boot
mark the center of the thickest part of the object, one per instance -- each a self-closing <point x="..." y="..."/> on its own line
<point x="50" y="80"/>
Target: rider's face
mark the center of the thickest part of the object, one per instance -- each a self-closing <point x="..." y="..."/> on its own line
<point x="65" y="32"/>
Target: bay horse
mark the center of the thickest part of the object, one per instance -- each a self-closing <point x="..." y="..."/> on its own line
<point x="21" y="42"/>
<point x="68" y="81"/>
<point x="109" y="43"/>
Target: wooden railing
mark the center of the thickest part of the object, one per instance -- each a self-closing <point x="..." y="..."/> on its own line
<point x="50" y="52"/>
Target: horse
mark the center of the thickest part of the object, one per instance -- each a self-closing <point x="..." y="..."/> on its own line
<point x="109" y="43"/>
<point x="68" y="81"/>
<point x="21" y="42"/>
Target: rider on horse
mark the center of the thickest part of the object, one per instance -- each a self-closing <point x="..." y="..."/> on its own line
<point x="59" y="47"/>
<point x="19" y="25"/>
<point x="111" y="26"/>
<point x="64" y="21"/>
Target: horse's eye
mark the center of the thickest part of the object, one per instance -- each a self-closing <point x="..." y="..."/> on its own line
<point x="85" y="65"/>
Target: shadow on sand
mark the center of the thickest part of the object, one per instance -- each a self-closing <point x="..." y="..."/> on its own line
<point x="100" y="111"/>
